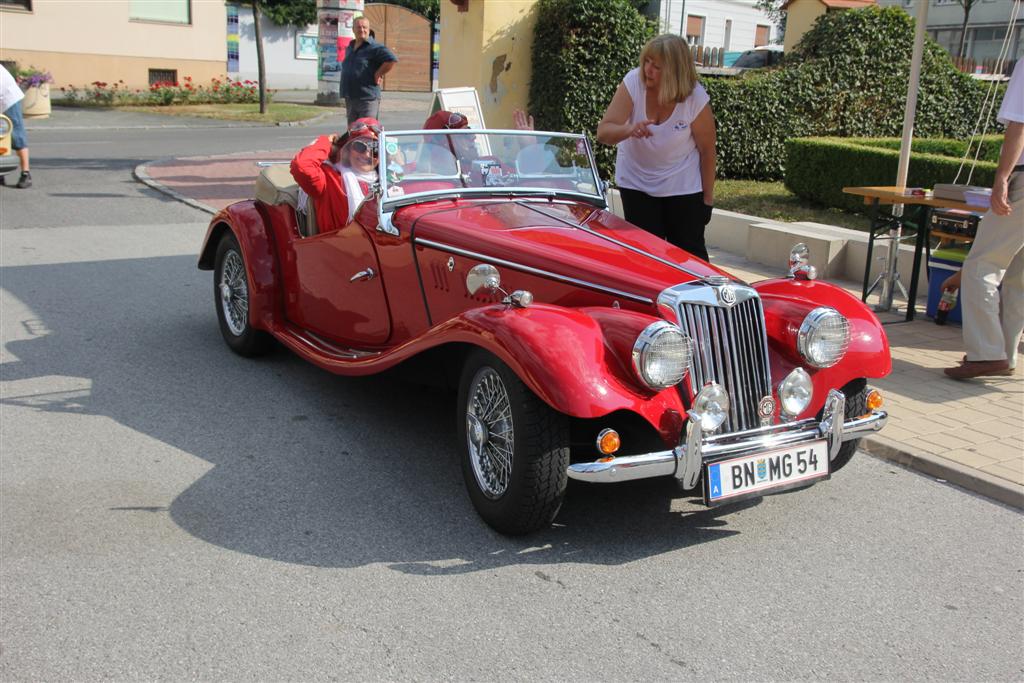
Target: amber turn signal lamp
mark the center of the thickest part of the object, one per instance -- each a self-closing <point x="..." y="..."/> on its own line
<point x="608" y="441"/>
<point x="874" y="401"/>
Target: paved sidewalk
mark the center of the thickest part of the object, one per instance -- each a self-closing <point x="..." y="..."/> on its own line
<point x="968" y="433"/>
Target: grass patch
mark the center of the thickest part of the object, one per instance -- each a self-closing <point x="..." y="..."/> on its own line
<point x="772" y="200"/>
<point x="277" y="112"/>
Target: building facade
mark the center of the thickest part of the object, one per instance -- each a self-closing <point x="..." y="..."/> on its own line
<point x="289" y="52"/>
<point x="138" y="42"/>
<point x="730" y="25"/>
<point x="988" y="25"/>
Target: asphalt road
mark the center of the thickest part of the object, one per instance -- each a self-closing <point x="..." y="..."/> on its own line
<point x="171" y="511"/>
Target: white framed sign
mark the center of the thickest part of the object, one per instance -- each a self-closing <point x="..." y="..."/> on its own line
<point x="464" y="101"/>
<point x="307" y="45"/>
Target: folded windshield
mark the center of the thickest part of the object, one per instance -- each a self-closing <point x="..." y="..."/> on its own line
<point x="439" y="162"/>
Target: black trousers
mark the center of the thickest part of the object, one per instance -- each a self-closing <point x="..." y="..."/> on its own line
<point x="679" y="219"/>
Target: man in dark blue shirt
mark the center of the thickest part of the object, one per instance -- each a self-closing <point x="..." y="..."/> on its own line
<point x="362" y="71"/>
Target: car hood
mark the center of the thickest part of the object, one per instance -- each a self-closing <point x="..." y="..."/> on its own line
<point x="570" y="239"/>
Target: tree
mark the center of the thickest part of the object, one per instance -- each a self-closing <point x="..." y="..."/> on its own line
<point x="968" y="5"/>
<point x="773" y="10"/>
<point x="431" y="9"/>
<point x="300" y="13"/>
<point x="283" y="13"/>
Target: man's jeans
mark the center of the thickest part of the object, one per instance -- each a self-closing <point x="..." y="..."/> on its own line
<point x="361" y="109"/>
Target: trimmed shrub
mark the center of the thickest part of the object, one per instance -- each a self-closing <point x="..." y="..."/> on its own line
<point x="581" y="50"/>
<point x="946" y="147"/>
<point x="848" y="78"/>
<point x="819" y="168"/>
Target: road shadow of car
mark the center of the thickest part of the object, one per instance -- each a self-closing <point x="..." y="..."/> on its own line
<point x="307" y="467"/>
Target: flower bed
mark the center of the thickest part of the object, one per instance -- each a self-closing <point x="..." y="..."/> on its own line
<point x="220" y="91"/>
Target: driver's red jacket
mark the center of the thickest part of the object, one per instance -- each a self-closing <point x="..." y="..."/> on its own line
<point x="322" y="182"/>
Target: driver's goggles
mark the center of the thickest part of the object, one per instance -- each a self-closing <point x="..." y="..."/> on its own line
<point x="365" y="146"/>
<point x="457" y="120"/>
<point x="359" y="127"/>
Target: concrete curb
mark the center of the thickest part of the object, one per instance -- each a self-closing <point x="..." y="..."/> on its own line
<point x="308" y="122"/>
<point x="947" y="470"/>
<point x="141" y="174"/>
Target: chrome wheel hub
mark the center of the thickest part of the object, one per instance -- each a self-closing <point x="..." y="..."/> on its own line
<point x="489" y="432"/>
<point x="234" y="293"/>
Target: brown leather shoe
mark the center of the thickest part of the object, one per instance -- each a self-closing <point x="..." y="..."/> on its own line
<point x="970" y="369"/>
<point x="1008" y="372"/>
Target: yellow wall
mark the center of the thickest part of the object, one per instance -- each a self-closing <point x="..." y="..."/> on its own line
<point x="80" y="42"/>
<point x="488" y="48"/>
<point x="800" y="16"/>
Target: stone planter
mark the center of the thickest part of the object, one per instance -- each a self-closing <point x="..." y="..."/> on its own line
<point x="37" y="102"/>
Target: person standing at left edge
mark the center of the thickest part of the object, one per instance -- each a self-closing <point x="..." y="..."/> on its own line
<point x="362" y="71"/>
<point x="10" y="104"/>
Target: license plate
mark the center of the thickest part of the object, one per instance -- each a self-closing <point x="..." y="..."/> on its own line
<point x="766" y="472"/>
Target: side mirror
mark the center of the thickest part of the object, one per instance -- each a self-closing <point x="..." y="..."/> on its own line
<point x="483" y="276"/>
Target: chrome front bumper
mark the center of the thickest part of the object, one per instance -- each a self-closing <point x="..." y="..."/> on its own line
<point x="686" y="460"/>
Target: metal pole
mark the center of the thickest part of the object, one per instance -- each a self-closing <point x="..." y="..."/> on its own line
<point x="891" y="272"/>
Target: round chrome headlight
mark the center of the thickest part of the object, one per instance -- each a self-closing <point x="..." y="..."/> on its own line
<point x="824" y="337"/>
<point x="795" y="392"/>
<point x="661" y="355"/>
<point x="711" y="407"/>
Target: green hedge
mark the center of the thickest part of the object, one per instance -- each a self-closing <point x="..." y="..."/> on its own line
<point x="581" y="50"/>
<point x="819" y="168"/>
<point x="946" y="147"/>
<point x="847" y="78"/>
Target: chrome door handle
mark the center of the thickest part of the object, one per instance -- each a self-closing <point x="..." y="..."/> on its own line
<point x="363" y="275"/>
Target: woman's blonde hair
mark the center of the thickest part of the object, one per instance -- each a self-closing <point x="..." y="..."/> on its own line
<point x="678" y="71"/>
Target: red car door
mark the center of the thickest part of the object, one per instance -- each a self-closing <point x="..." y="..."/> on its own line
<point x="339" y="292"/>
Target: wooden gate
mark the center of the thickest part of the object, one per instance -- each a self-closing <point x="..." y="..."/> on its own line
<point x="408" y="35"/>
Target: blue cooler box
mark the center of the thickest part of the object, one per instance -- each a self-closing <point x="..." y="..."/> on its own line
<point x="942" y="264"/>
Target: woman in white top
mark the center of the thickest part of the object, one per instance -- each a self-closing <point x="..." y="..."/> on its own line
<point x="661" y="120"/>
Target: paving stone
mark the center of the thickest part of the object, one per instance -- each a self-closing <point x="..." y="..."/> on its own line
<point x="969" y="458"/>
<point x="1014" y="475"/>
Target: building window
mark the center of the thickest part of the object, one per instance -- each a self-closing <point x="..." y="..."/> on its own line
<point x="987" y="42"/>
<point x="694" y="30"/>
<point x="762" y="34"/>
<point x="16" y="4"/>
<point x="170" y="11"/>
<point x="163" y="76"/>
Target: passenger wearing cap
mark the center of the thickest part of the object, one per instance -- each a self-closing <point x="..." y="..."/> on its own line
<point x="336" y="171"/>
<point x="462" y="147"/>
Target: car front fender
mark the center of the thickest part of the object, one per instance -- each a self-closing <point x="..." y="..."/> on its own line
<point x="786" y="304"/>
<point x="249" y="227"/>
<point x="566" y="358"/>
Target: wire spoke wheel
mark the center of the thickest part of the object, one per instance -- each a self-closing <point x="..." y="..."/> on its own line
<point x="515" y="448"/>
<point x="231" y="298"/>
<point x="234" y="293"/>
<point x="489" y="433"/>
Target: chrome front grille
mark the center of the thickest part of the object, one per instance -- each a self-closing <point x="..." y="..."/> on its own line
<point x="730" y="343"/>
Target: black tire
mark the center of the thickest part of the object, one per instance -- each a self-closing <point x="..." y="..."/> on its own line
<point x="233" y="312"/>
<point x="856" y="393"/>
<point x="526" y="495"/>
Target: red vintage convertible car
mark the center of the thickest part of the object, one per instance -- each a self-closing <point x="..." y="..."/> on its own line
<point x="582" y="347"/>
